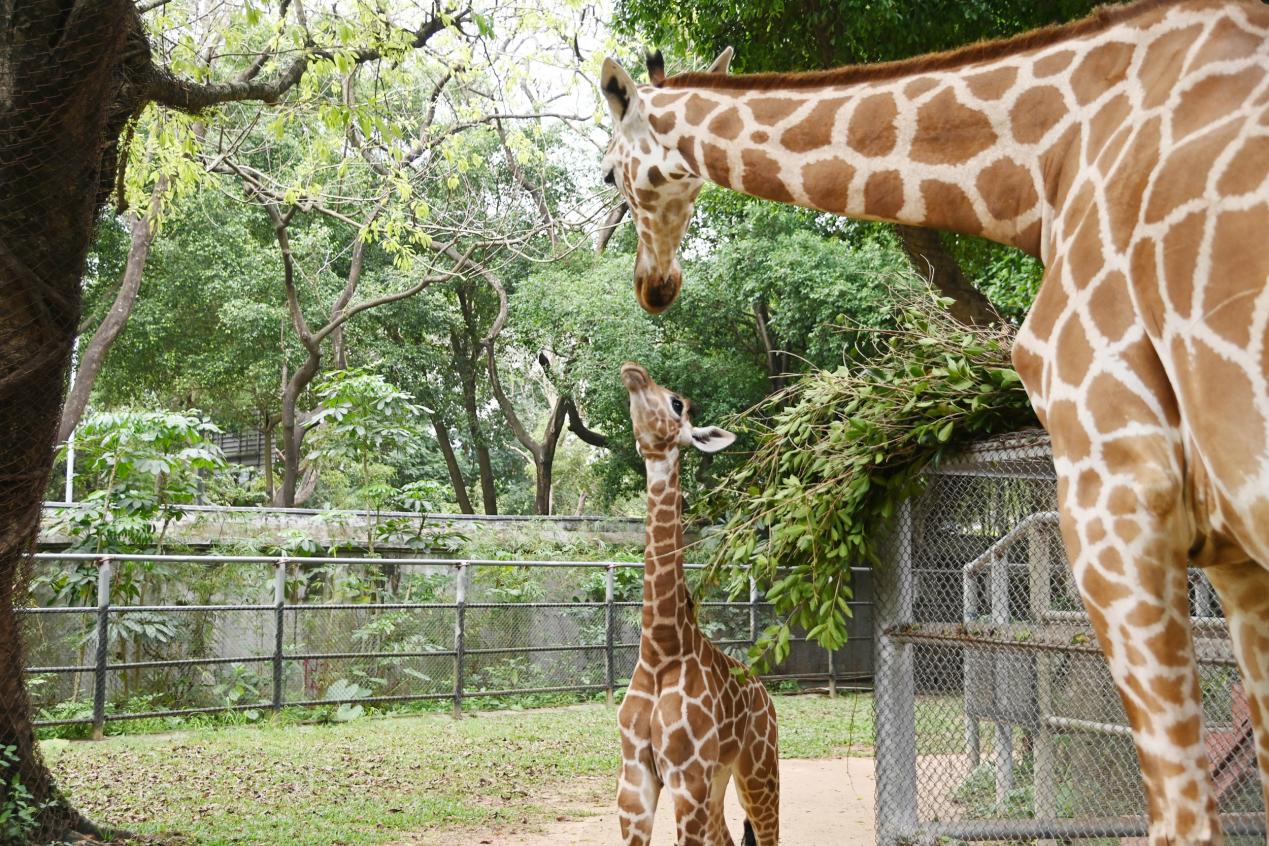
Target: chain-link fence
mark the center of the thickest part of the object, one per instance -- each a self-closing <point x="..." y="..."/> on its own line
<point x="116" y="637"/>
<point x="997" y="719"/>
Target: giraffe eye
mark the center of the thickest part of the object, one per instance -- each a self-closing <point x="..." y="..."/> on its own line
<point x="609" y="178"/>
<point x="677" y="405"/>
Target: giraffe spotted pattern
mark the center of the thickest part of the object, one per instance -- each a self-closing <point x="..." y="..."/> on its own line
<point x="1129" y="152"/>
<point x="691" y="719"/>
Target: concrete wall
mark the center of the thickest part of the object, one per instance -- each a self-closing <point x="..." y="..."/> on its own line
<point x="205" y="526"/>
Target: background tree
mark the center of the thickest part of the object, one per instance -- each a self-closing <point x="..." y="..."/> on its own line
<point x="77" y="74"/>
<point x="361" y="422"/>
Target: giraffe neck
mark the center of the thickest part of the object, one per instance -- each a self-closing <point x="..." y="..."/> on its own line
<point x="968" y="149"/>
<point x="665" y="599"/>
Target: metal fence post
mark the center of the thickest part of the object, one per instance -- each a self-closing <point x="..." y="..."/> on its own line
<point x="460" y="624"/>
<point x="1044" y="750"/>
<point x="1202" y="596"/>
<point x="753" y="611"/>
<point x="832" y="675"/>
<point x="969" y="614"/>
<point x="1004" y="731"/>
<point x="279" y="603"/>
<point x="610" y="624"/>
<point x="895" y="696"/>
<point x="103" y="648"/>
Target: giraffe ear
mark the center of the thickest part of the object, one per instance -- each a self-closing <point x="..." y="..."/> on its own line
<point x="711" y="438"/>
<point x="619" y="90"/>
<point x="722" y="63"/>
<point x="656" y="67"/>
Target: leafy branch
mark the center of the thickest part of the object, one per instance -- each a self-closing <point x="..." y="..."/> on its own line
<point x="841" y="450"/>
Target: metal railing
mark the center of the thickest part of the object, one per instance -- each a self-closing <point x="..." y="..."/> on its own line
<point x="546" y="644"/>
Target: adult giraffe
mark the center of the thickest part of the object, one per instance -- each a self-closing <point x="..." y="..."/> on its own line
<point x="688" y="722"/>
<point x="1128" y="151"/>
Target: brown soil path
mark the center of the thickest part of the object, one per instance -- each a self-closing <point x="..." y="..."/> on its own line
<point x="823" y="803"/>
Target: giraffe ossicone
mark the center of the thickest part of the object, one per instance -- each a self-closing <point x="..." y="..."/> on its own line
<point x="1129" y="152"/>
<point x="692" y="718"/>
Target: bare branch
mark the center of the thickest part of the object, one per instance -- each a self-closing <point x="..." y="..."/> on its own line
<point x="534" y="191"/>
<point x="577" y="427"/>
<point x="280" y="222"/>
<point x="508" y="408"/>
<point x="430" y="115"/>
<point x="262" y="58"/>
<point x="609" y="226"/>
<point x="343" y="317"/>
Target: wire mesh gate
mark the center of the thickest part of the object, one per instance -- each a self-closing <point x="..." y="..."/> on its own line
<point x="997" y="719"/>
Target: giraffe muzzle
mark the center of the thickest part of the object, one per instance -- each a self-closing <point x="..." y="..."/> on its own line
<point x="634" y="377"/>
<point x="656" y="295"/>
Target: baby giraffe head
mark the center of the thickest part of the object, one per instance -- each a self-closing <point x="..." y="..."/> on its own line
<point x="658" y="184"/>
<point x="663" y="420"/>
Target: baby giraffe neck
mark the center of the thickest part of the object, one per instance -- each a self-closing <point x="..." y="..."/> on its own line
<point x="665" y="600"/>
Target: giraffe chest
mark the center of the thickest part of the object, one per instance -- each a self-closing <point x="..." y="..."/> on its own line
<point x="697" y="692"/>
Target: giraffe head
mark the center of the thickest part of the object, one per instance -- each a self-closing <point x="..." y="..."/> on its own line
<point x="663" y="420"/>
<point x="655" y="181"/>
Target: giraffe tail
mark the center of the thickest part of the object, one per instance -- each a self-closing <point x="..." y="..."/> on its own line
<point x="749" y="839"/>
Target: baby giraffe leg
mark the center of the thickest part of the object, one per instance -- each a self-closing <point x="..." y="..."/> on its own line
<point x="692" y="789"/>
<point x="718" y="833"/>
<point x="637" y="792"/>
<point x="758" y="774"/>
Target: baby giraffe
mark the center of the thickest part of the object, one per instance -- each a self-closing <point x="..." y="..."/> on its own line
<point x="690" y="720"/>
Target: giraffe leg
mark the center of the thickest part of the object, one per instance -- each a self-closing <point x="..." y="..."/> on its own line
<point x="758" y="772"/>
<point x="692" y="787"/>
<point x="718" y="833"/>
<point x="1244" y="593"/>
<point x="637" y="792"/>
<point x="1127" y="537"/>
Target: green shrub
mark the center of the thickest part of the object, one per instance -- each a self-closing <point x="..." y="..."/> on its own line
<point x="19" y="812"/>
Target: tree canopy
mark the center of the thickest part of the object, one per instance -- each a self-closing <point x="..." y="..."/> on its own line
<point x="790" y="35"/>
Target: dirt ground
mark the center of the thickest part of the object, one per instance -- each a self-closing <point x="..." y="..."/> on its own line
<point x="821" y="803"/>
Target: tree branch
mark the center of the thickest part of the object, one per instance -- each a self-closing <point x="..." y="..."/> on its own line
<point x="534" y="191"/>
<point x="577" y="427"/>
<point x="188" y="96"/>
<point x="280" y="223"/>
<point x="609" y="227"/>
<point x="143" y="230"/>
<point x="518" y="429"/>
<point x="775" y="372"/>
<point x="343" y="317"/>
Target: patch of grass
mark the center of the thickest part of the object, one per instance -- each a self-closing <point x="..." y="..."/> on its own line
<point x="368" y="781"/>
<point x="819" y="727"/>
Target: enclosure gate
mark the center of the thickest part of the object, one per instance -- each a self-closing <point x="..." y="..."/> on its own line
<point x="997" y="719"/>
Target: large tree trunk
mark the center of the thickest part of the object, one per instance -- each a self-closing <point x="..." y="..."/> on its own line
<point x="292" y="432"/>
<point x="456" y="479"/>
<point x="927" y="255"/>
<point x="143" y="229"/>
<point x="777" y="360"/>
<point x="544" y="459"/>
<point x="61" y="84"/>
<point x="467" y="374"/>
<point x="268" y="458"/>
